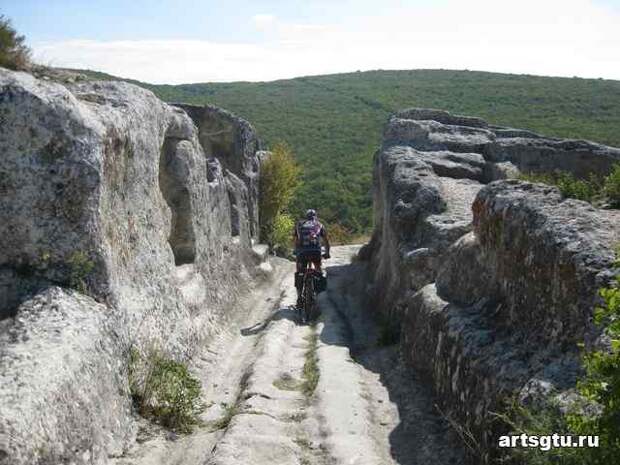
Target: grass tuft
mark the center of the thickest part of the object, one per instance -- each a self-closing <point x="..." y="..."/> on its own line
<point x="165" y="391"/>
<point x="286" y="383"/>
<point x="229" y="412"/>
<point x="311" y="371"/>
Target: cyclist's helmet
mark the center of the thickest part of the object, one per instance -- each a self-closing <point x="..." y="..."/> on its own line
<point x="311" y="214"/>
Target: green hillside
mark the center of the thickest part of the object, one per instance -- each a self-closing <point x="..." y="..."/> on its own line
<point x="334" y="122"/>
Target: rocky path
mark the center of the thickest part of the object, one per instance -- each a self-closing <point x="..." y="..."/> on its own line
<point x="283" y="393"/>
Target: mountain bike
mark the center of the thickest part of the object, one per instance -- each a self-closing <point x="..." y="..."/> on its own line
<point x="309" y="305"/>
<point x="313" y="282"/>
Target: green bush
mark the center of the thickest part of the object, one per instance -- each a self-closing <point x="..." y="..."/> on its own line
<point x="165" y="391"/>
<point x="611" y="186"/>
<point x="14" y="54"/>
<point x="569" y="186"/>
<point x="278" y="182"/>
<point x="592" y="190"/>
<point x="540" y="421"/>
<point x="281" y="234"/>
<point x="338" y="234"/>
<point x="601" y="384"/>
<point x="596" y="413"/>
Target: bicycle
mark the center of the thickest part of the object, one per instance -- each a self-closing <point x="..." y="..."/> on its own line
<point x="309" y="291"/>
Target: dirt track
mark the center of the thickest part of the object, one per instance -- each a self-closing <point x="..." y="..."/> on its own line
<point x="366" y="409"/>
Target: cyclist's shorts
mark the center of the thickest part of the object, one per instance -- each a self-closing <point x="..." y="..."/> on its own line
<point x="305" y="257"/>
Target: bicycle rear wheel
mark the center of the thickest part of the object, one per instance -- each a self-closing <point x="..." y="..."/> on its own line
<point x="309" y="298"/>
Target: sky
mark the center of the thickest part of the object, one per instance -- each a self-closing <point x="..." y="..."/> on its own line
<point x="185" y="41"/>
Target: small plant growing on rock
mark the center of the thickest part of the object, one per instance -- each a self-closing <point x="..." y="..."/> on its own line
<point x="80" y="267"/>
<point x="165" y="391"/>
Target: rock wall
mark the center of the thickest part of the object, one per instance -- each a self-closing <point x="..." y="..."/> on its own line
<point x="111" y="193"/>
<point x="491" y="281"/>
<point x="233" y="142"/>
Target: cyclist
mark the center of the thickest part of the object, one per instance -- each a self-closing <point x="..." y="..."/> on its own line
<point x="308" y="235"/>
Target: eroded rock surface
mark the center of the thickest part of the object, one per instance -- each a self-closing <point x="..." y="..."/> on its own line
<point x="491" y="281"/>
<point x="232" y="141"/>
<point x="108" y="191"/>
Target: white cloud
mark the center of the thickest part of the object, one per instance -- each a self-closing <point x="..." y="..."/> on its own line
<point x="562" y="38"/>
<point x="263" y="21"/>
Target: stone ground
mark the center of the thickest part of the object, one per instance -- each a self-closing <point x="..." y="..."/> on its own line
<point x="367" y="409"/>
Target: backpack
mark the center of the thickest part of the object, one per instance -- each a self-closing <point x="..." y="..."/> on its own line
<point x="309" y="232"/>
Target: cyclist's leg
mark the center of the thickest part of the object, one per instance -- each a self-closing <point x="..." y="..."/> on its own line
<point x="302" y="263"/>
<point x="316" y="261"/>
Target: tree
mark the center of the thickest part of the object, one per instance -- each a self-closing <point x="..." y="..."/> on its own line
<point x="280" y="178"/>
<point x="14" y="53"/>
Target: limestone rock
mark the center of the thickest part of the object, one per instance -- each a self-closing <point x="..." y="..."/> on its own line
<point x="107" y="190"/>
<point x="548" y="256"/>
<point x="464" y="277"/>
<point x="63" y="382"/>
<point x="491" y="280"/>
<point x="233" y="141"/>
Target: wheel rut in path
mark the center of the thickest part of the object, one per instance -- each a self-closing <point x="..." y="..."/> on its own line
<point x="377" y="412"/>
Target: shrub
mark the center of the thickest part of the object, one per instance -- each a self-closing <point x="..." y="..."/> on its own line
<point x="278" y="182"/>
<point x="601" y="384"/>
<point x="569" y="186"/>
<point x="540" y="421"/>
<point x="165" y="391"/>
<point x="611" y="186"/>
<point x="14" y="54"/>
<point x="598" y="410"/>
<point x="281" y="233"/>
<point x="338" y="234"/>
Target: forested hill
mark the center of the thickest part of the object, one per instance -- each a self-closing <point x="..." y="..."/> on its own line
<point x="334" y="122"/>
